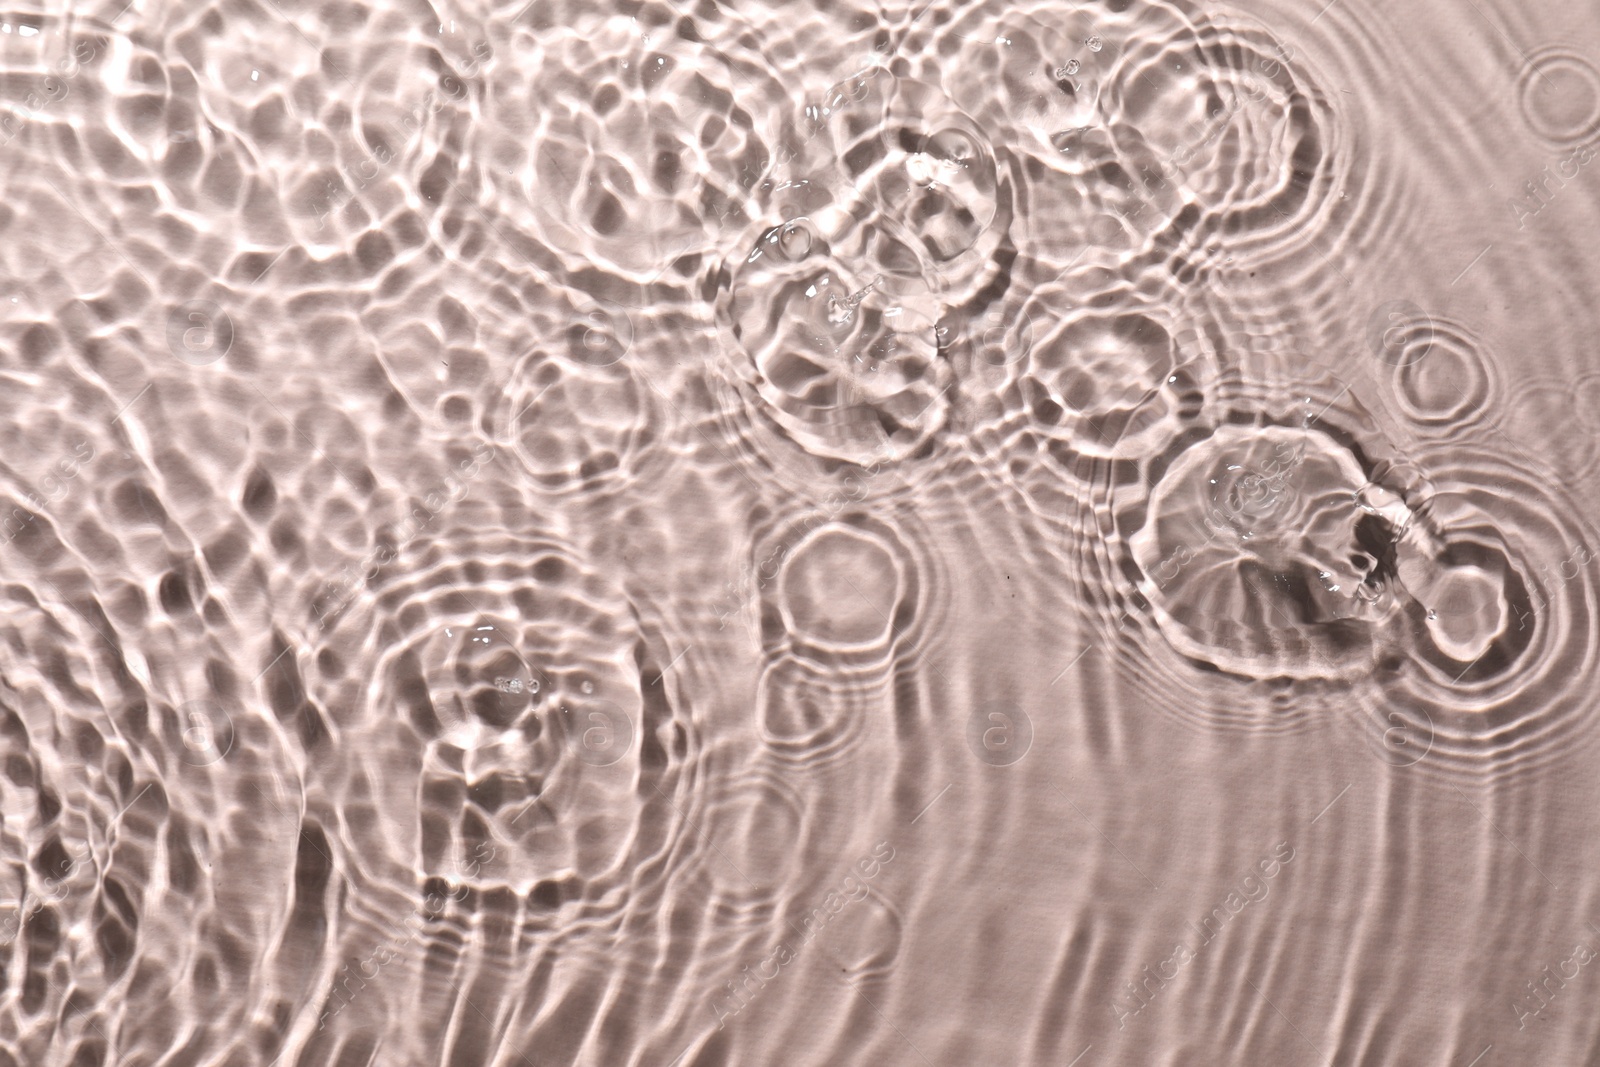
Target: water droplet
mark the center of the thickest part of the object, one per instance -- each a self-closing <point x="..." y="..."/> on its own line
<point x="1094" y="43"/>
<point x="795" y="240"/>
<point x="588" y="687"/>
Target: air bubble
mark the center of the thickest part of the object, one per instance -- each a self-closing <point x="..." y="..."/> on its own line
<point x="1094" y="43"/>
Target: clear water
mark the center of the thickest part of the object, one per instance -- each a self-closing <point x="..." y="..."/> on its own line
<point x="596" y="533"/>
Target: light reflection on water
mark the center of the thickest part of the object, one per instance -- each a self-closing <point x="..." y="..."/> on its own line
<point x="690" y="534"/>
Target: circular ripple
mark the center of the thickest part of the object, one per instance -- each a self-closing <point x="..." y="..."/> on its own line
<point x="574" y="413"/>
<point x="516" y="667"/>
<point x="1440" y="374"/>
<point x="1541" y="415"/>
<point x="572" y="430"/>
<point x="1095" y="384"/>
<point x="1558" y="91"/>
<point x="1399" y="333"/>
<point x="1025" y="73"/>
<point x="847" y="592"/>
<point x="1092" y="371"/>
<point x="842" y="600"/>
<point x="1493" y="662"/>
<point x="837" y="323"/>
<point x="628" y="140"/>
<point x="1230" y="116"/>
<point x="757" y="819"/>
<point x="1257" y="544"/>
<point x="810" y="714"/>
<point x="1028" y="77"/>
<point x="927" y="165"/>
<point x="839" y="590"/>
<point x="1586" y="396"/>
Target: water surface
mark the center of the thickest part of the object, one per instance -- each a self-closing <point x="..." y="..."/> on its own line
<point x="737" y="533"/>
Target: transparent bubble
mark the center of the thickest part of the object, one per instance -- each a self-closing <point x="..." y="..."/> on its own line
<point x="791" y="242"/>
<point x="1094" y="43"/>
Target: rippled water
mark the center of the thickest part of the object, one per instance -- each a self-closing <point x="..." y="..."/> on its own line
<point x="745" y="533"/>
